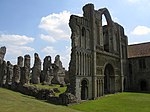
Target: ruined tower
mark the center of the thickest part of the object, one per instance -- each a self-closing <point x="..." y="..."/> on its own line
<point x="98" y="54"/>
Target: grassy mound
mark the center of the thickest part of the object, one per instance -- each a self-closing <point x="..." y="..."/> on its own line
<point x="122" y="102"/>
<point x="16" y="102"/>
<point x="62" y="89"/>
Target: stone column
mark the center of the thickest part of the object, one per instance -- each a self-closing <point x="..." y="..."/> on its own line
<point x="3" y="73"/>
<point x="25" y="71"/>
<point x="9" y="73"/>
<point x="79" y="65"/>
<point x="36" y="71"/>
<point x="47" y="70"/>
<point x="20" y="61"/>
<point x="16" y="76"/>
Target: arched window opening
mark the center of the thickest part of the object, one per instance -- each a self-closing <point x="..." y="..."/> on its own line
<point x="83" y="31"/>
<point x="105" y="33"/>
<point x="104" y="21"/>
<point x="83" y="38"/>
<point x="109" y="71"/>
<point x="84" y="90"/>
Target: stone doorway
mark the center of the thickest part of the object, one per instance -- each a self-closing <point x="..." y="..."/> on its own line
<point x="109" y="81"/>
<point x="143" y="85"/>
<point x="84" y="90"/>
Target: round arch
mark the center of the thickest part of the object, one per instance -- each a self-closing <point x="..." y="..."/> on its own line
<point x="107" y="30"/>
<point x="109" y="80"/>
<point x="105" y="12"/>
<point x="84" y="89"/>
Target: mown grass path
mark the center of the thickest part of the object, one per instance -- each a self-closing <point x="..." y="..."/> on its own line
<point x="122" y="102"/>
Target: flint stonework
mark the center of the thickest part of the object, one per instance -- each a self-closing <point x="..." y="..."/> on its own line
<point x="36" y="71"/>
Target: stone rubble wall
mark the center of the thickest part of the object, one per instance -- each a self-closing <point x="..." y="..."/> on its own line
<point x="18" y="77"/>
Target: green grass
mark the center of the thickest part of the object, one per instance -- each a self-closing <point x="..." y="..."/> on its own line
<point x="11" y="101"/>
<point x="15" y="102"/>
<point x="122" y="102"/>
<point x="62" y="89"/>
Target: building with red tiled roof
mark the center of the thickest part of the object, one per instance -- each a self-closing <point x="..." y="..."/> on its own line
<point x="139" y="67"/>
<point x="139" y="50"/>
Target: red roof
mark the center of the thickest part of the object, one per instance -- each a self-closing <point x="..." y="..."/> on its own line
<point x="139" y="50"/>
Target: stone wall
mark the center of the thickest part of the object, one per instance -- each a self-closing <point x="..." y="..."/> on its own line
<point x="96" y="49"/>
<point x="139" y="78"/>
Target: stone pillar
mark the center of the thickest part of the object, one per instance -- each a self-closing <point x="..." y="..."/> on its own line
<point x="79" y="66"/>
<point x="36" y="71"/>
<point x="24" y="79"/>
<point x="16" y="76"/>
<point x="25" y="71"/>
<point x="47" y="70"/>
<point x="20" y="61"/>
<point x="56" y="77"/>
<point x="2" y="54"/>
<point x="77" y="63"/>
<point x="59" y="71"/>
<point x="19" y="66"/>
<point x="3" y="73"/>
<point x="9" y="73"/>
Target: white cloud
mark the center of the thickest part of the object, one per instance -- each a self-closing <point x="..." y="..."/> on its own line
<point x="49" y="50"/>
<point x="141" y="30"/>
<point x="16" y="46"/>
<point x="13" y="51"/>
<point x="65" y="57"/>
<point x="15" y="39"/>
<point x="64" y="54"/>
<point x="21" y="50"/>
<point x="47" y="38"/>
<point x="56" y="25"/>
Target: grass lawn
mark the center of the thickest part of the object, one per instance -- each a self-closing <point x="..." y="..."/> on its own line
<point x="11" y="101"/>
<point x="122" y="102"/>
<point x="62" y="89"/>
<point x="15" y="102"/>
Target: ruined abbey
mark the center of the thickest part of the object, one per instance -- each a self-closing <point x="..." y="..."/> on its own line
<point x="22" y="73"/>
<point x="99" y="54"/>
<point x="101" y="62"/>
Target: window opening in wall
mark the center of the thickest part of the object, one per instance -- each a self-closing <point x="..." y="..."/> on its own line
<point x="105" y="33"/>
<point x="143" y="85"/>
<point x="83" y="31"/>
<point x="130" y="68"/>
<point x="142" y="64"/>
<point x="84" y="90"/>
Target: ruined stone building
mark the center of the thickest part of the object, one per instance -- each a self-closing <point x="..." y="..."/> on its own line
<point x="139" y="67"/>
<point x="101" y="62"/>
<point x="98" y="63"/>
<point x="22" y="73"/>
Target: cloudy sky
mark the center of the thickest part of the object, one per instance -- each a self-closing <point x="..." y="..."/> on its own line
<point x="29" y="26"/>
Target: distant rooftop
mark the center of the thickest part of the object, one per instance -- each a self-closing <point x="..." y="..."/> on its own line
<point x="139" y="50"/>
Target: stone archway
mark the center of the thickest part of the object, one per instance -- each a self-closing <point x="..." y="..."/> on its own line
<point x="109" y="79"/>
<point x="84" y="90"/>
<point x="143" y="85"/>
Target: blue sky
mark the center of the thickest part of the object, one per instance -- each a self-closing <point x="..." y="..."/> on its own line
<point x="29" y="26"/>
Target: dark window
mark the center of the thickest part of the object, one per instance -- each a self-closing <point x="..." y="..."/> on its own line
<point x="123" y="52"/>
<point x="83" y="31"/>
<point x="130" y="68"/>
<point x="142" y="64"/>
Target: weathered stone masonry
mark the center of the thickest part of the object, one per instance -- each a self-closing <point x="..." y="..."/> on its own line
<point x="99" y="54"/>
